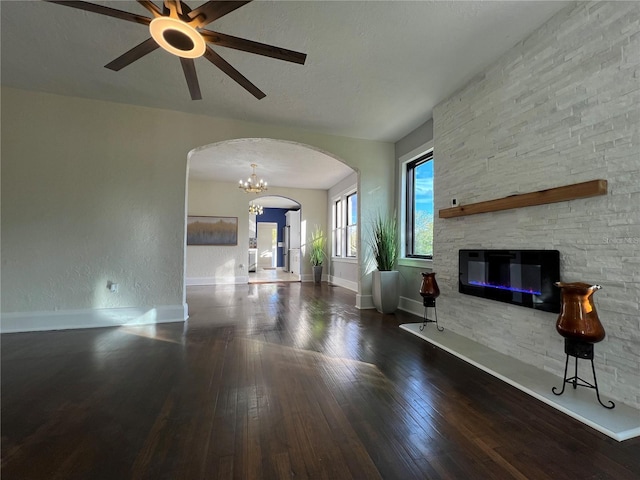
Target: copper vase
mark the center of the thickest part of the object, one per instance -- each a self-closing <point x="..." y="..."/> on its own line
<point x="578" y="317"/>
<point x="429" y="287"/>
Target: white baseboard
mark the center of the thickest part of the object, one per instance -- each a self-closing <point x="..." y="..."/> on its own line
<point x="308" y="277"/>
<point x="91" y="318"/>
<point x="341" y="282"/>
<point x="406" y="304"/>
<point x="217" y="280"/>
<point x="411" y="306"/>
<point x="364" y="302"/>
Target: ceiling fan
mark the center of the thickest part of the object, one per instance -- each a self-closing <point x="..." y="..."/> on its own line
<point x="179" y="30"/>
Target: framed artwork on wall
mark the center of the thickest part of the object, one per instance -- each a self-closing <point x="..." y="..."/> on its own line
<point x="212" y="230"/>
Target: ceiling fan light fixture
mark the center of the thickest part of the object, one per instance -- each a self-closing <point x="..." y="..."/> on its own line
<point x="179" y="30"/>
<point x="177" y="37"/>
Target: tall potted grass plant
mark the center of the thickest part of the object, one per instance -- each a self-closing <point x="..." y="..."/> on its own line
<point x="385" y="280"/>
<point x="317" y="253"/>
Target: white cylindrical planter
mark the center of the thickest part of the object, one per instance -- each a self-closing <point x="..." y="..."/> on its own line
<point x="386" y="290"/>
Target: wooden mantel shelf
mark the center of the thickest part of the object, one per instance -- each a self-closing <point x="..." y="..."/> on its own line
<point x="551" y="195"/>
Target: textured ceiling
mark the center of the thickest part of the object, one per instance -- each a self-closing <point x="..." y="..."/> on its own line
<point x="374" y="70"/>
<point x="280" y="163"/>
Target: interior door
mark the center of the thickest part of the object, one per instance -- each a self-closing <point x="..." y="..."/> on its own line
<point x="267" y="245"/>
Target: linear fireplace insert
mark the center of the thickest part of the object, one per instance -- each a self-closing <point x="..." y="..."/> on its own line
<point x="520" y="277"/>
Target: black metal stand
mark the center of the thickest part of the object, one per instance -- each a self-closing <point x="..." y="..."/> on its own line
<point x="430" y="302"/>
<point x="579" y="349"/>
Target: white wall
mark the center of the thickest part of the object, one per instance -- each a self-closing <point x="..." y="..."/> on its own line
<point x="561" y="107"/>
<point x="95" y="191"/>
<point x="91" y="192"/>
<point x="210" y="265"/>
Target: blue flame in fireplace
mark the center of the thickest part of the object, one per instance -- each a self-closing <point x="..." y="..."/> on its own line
<point x="504" y="287"/>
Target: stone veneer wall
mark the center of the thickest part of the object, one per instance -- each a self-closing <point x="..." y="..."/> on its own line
<point x="561" y="107"/>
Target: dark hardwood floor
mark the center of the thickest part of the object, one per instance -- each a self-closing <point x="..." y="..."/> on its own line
<point x="278" y="381"/>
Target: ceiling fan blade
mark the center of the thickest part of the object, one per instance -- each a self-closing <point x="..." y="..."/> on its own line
<point x="137" y="52"/>
<point x="110" y="12"/>
<point x="250" y="46"/>
<point x="172" y="8"/>
<point x="189" y="69"/>
<point x="152" y="7"/>
<point x="223" y="65"/>
<point x="213" y="10"/>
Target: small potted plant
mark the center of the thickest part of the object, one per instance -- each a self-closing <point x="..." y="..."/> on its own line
<point x="317" y="253"/>
<point x="385" y="280"/>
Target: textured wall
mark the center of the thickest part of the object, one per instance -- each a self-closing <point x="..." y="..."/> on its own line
<point x="95" y="191"/>
<point x="218" y="264"/>
<point x="559" y="108"/>
<point x="88" y="196"/>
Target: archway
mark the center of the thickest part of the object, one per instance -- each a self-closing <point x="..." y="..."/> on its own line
<point x="292" y="170"/>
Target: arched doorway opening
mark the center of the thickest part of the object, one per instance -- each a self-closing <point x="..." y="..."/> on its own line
<point x="275" y="239"/>
<point x="293" y="171"/>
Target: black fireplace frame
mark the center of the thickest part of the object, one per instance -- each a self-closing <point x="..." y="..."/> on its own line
<point x="547" y="299"/>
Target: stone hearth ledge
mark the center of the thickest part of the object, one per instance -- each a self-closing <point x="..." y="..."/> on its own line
<point x="621" y="423"/>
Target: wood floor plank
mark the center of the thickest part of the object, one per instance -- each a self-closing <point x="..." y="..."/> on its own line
<point x="277" y="381"/>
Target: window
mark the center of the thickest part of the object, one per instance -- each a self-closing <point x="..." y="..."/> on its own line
<point x="337" y="228"/>
<point x="419" y="207"/>
<point x="345" y="225"/>
<point x="352" y="225"/>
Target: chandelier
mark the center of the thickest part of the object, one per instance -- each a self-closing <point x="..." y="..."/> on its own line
<point x="252" y="185"/>
<point x="255" y="209"/>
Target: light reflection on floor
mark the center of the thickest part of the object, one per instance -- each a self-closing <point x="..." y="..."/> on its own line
<point x="268" y="276"/>
<point x="323" y="337"/>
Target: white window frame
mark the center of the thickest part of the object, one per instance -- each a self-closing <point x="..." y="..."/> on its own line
<point x="337" y="244"/>
<point x="349" y="226"/>
<point x="342" y="198"/>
